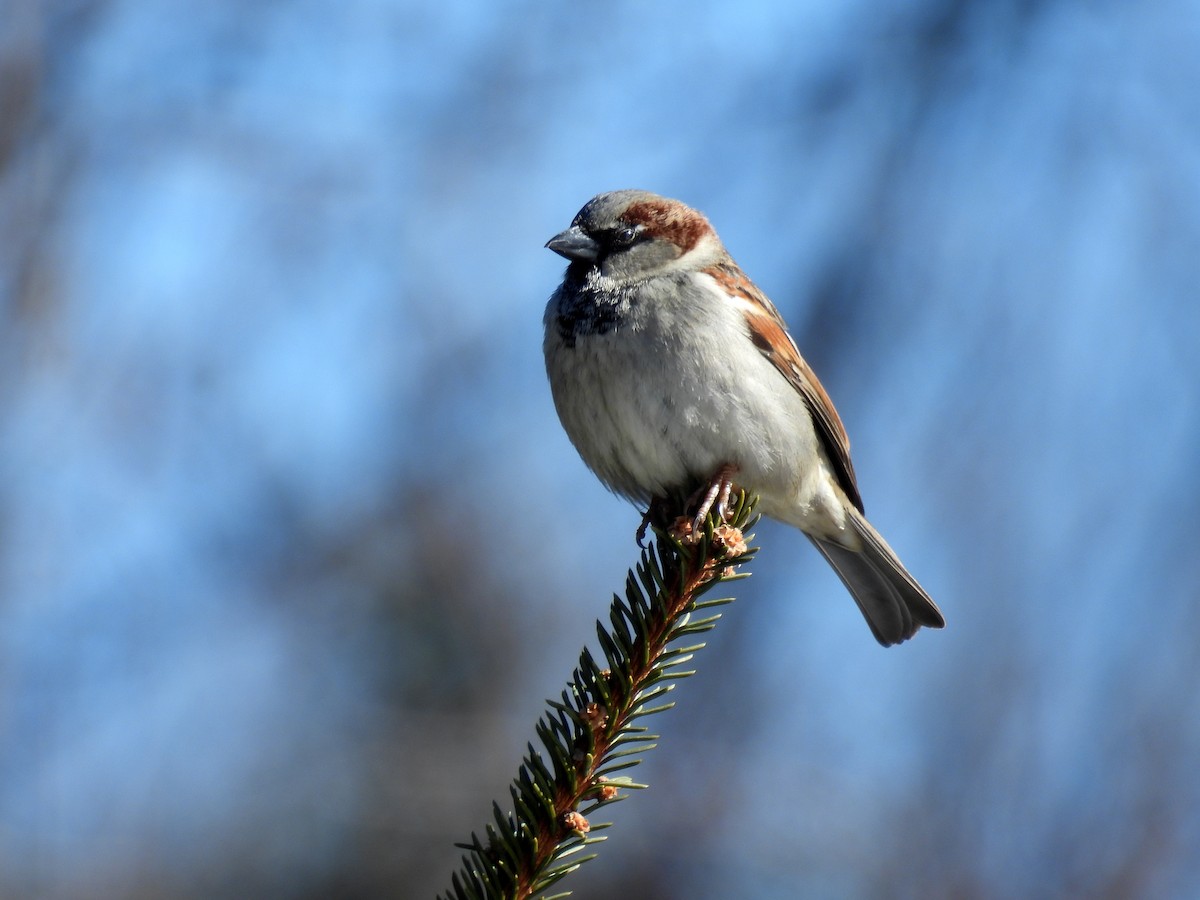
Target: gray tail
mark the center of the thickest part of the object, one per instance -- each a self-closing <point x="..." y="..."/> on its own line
<point x="892" y="602"/>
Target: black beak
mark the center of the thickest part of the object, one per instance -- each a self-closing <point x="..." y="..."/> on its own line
<point x="575" y="245"/>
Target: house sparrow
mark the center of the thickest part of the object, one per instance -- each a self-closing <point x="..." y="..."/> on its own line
<point x="669" y="369"/>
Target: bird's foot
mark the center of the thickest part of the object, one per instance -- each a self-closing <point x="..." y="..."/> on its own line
<point x="655" y="514"/>
<point x="714" y="495"/>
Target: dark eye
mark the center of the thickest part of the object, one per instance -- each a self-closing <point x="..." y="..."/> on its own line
<point x="625" y="237"/>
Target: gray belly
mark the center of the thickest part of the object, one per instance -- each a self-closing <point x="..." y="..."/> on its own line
<point x="653" y="412"/>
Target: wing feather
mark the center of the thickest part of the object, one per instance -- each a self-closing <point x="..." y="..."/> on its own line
<point x="770" y="336"/>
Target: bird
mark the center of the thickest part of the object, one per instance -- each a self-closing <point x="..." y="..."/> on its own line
<point x="669" y="368"/>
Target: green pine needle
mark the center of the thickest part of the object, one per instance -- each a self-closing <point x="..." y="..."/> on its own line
<point x="590" y="734"/>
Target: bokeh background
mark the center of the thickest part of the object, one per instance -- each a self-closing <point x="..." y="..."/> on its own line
<point x="292" y="547"/>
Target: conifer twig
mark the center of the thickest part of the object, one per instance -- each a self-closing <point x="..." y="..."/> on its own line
<point x="590" y="735"/>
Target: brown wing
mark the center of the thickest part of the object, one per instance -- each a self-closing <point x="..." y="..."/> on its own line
<point x="769" y="334"/>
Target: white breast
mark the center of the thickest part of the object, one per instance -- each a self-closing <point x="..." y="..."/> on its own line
<point x="678" y="389"/>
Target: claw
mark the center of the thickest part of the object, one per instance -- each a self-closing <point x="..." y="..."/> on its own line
<point x="644" y="527"/>
<point x="654" y="513"/>
<point x="689" y="529"/>
<point x="717" y="493"/>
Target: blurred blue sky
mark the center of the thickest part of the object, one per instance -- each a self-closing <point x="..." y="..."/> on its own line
<point x="292" y="545"/>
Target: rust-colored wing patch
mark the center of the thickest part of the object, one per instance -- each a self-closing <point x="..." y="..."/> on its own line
<point x="770" y="336"/>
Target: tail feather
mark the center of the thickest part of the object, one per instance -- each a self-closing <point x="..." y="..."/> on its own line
<point x="892" y="602"/>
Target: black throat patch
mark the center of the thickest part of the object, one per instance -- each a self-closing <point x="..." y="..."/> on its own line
<point x="584" y="310"/>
